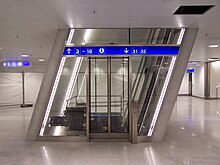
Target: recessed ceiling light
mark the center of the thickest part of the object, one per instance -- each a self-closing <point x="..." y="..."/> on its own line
<point x="193" y="134"/>
<point x="24" y="55"/>
<point x="213" y="59"/>
<point x="213" y="46"/>
<point x="172" y="146"/>
<point x="41" y="60"/>
<point x="0" y="48"/>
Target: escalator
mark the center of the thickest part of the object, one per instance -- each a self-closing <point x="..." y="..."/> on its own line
<point x="152" y="71"/>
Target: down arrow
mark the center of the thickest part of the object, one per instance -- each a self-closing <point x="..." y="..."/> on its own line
<point x="126" y="50"/>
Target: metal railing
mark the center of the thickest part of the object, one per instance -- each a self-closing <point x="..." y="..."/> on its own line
<point x="116" y="103"/>
<point x="77" y="102"/>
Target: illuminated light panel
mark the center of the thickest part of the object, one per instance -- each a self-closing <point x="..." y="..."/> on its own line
<point x="72" y="81"/>
<point x="87" y="35"/>
<point x="41" y="60"/>
<point x="162" y="96"/>
<point x="213" y="46"/>
<point x="52" y="95"/>
<point x="14" y="64"/>
<point x="24" y="55"/>
<point x="70" y="37"/>
<point x="181" y="36"/>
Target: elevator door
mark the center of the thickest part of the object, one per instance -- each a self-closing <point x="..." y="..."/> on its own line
<point x="109" y="103"/>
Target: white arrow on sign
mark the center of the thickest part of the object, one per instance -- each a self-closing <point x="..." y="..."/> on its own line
<point x="69" y="50"/>
<point x="126" y="50"/>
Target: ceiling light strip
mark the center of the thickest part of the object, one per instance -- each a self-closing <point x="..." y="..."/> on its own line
<point x="213" y="59"/>
<point x="213" y="46"/>
<point x="72" y="81"/>
<point x="181" y="36"/>
<point x="70" y="37"/>
<point x="162" y="96"/>
<point x="52" y="95"/>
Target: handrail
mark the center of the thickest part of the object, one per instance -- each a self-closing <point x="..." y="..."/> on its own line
<point x="119" y="96"/>
<point x="154" y="82"/>
<point x="94" y="96"/>
<point x="142" y="119"/>
<point x="140" y="72"/>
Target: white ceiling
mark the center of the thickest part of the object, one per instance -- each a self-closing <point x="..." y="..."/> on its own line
<point x="29" y="27"/>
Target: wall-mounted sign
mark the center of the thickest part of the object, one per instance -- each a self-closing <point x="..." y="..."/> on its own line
<point x="120" y="50"/>
<point x="13" y="64"/>
<point x="190" y="71"/>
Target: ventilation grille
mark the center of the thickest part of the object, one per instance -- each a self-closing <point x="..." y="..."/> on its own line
<point x="193" y="10"/>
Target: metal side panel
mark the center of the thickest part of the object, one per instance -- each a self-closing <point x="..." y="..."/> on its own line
<point x="47" y="84"/>
<point x="174" y="85"/>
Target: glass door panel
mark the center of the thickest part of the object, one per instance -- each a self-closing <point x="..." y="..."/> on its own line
<point x="109" y="108"/>
<point x="98" y="96"/>
<point x="119" y="95"/>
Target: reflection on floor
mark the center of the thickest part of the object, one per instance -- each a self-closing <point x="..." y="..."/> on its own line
<point x="192" y="138"/>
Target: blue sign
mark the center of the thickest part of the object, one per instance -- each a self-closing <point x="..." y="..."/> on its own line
<point x="190" y="71"/>
<point x="13" y="64"/>
<point x="120" y="50"/>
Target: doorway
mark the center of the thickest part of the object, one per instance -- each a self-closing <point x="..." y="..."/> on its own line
<point x="109" y="98"/>
<point x="190" y="85"/>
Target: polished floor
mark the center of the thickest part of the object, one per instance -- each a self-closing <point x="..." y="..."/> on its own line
<point x="192" y="138"/>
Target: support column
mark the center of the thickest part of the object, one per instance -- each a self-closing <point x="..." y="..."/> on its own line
<point x="134" y="107"/>
<point x="206" y="80"/>
<point x="47" y="85"/>
<point x="174" y="84"/>
<point x="24" y="105"/>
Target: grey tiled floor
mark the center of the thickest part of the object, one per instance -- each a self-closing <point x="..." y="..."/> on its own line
<point x="192" y="138"/>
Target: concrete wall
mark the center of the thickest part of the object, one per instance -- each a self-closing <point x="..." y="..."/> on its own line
<point x="214" y="78"/>
<point x="197" y="81"/>
<point x="184" y="85"/>
<point x="11" y="87"/>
